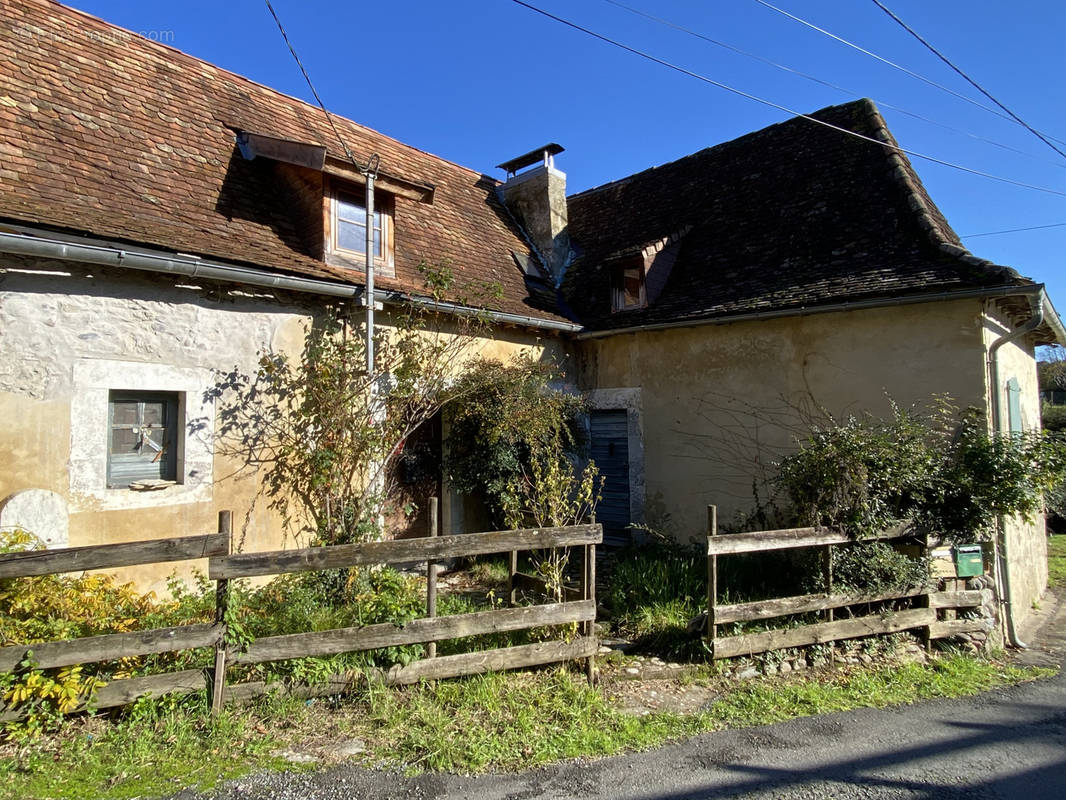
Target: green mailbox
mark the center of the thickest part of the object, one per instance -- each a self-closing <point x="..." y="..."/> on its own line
<point x="969" y="560"/>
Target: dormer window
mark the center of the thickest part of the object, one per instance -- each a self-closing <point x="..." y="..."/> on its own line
<point x="628" y="290"/>
<point x="346" y="237"/>
<point x="350" y="215"/>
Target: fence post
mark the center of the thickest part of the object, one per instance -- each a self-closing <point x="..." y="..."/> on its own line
<point x="590" y="594"/>
<point x="218" y="677"/>
<point x="513" y="596"/>
<point x="431" y="577"/>
<point x="827" y="569"/>
<point x="927" y="602"/>
<point x="712" y="577"/>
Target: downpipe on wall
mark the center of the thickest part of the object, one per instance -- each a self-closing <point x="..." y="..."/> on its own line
<point x="1036" y="303"/>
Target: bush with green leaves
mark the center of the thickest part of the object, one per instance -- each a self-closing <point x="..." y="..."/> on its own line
<point x="943" y="471"/>
<point x="322" y="434"/>
<point x="877" y="568"/>
<point x="509" y="421"/>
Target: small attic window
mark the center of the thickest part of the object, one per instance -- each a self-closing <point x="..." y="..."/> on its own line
<point x="628" y="290"/>
<point x="346" y="232"/>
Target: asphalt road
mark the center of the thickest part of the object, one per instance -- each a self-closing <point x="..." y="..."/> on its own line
<point x="1008" y="743"/>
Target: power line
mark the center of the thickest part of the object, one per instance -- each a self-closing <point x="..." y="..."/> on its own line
<point x="1015" y="230"/>
<point x="970" y="80"/>
<point x="779" y="107"/>
<point x="329" y="117"/>
<point x="884" y="60"/>
<point x="829" y="84"/>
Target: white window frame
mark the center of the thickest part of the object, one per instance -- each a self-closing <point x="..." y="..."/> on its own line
<point x="356" y="259"/>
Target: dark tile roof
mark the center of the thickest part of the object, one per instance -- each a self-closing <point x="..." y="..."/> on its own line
<point x="795" y="215"/>
<point x="109" y="134"/>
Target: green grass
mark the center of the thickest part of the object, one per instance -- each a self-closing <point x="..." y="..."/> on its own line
<point x="764" y="702"/>
<point x="1056" y="561"/>
<point x="157" y="748"/>
<point x="505" y="721"/>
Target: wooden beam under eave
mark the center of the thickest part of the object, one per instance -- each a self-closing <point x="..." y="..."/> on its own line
<point x="419" y="192"/>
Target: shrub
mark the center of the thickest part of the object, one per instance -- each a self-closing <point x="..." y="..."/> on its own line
<point x="949" y="475"/>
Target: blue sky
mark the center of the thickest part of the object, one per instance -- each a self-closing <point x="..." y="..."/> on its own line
<point x="481" y="81"/>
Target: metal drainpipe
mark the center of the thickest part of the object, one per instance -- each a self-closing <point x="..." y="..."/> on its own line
<point x="1003" y="561"/>
<point x="371" y="173"/>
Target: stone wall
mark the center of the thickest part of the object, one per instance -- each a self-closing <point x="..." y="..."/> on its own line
<point x="70" y="334"/>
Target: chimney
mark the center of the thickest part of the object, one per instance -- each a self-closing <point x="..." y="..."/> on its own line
<point x="537" y="199"/>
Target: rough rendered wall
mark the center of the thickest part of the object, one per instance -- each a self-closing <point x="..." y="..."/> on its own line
<point x="70" y="334"/>
<point x="719" y="403"/>
<point x="1026" y="539"/>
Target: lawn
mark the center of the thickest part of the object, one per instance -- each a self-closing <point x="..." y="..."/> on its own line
<point x="1056" y="561"/>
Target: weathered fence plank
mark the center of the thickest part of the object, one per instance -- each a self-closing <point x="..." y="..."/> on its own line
<point x="803" y="604"/>
<point x="953" y="627"/>
<point x="748" y="644"/>
<point x="125" y="691"/>
<point x="967" y="598"/>
<point x="109" y="647"/>
<point x="126" y="554"/>
<point x="372" y="637"/>
<point x="478" y="662"/>
<point x="787" y="538"/>
<point x="248" y="565"/>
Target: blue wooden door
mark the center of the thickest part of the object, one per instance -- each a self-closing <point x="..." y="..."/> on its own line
<point x="609" y="446"/>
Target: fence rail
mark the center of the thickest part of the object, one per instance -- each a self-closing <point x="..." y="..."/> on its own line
<point x="925" y="617"/>
<point x="578" y="606"/>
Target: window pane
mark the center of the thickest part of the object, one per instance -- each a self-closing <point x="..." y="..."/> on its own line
<point x="351" y="212"/>
<point x="352" y="237"/>
<point x="631" y="285"/>
<point x="124" y="440"/>
<point x="124" y="413"/>
<point x="154" y="413"/>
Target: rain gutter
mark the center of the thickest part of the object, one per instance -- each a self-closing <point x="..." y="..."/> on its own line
<point x="193" y="267"/>
<point x="1052" y="319"/>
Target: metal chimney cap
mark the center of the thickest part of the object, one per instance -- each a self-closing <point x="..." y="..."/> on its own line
<point x="540" y="155"/>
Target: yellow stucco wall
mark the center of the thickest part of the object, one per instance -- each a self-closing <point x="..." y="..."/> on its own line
<point x="62" y="323"/>
<point x="720" y="403"/>
<point x="1026" y="539"/>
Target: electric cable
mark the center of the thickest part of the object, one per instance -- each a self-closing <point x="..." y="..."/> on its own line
<point x="970" y="80"/>
<point x="829" y="84"/>
<point x="1015" y="230"/>
<point x="892" y="64"/>
<point x="307" y="77"/>
<point x="779" y="107"/>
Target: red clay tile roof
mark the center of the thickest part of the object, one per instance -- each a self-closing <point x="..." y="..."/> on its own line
<point x="793" y="216"/>
<point x="107" y="133"/>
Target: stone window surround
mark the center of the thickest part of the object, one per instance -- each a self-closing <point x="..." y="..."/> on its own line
<point x="93" y="380"/>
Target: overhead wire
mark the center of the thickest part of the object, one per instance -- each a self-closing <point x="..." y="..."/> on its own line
<point x="828" y="84"/>
<point x="968" y="79"/>
<point x="311" y="86"/>
<point x="677" y="68"/>
<point x="892" y="64"/>
<point x="1015" y="230"/>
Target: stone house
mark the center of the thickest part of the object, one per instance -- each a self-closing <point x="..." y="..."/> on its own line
<point x="161" y="219"/>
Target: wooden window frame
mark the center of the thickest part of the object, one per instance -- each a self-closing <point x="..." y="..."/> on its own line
<point x="618" y="289"/>
<point x="167" y="458"/>
<point x="384" y="206"/>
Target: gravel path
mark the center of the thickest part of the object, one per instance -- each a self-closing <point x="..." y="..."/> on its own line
<point x="1008" y="743"/>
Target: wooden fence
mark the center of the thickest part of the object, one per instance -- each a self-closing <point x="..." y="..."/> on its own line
<point x="223" y="566"/>
<point x="929" y="606"/>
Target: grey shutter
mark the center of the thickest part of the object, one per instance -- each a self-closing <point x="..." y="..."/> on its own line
<point x="142" y="437"/>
